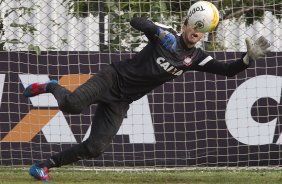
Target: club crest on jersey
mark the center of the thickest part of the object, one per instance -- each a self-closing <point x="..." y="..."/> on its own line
<point x="187" y="61"/>
<point x="168" y="67"/>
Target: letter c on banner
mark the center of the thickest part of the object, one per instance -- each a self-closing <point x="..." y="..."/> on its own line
<point x="238" y="116"/>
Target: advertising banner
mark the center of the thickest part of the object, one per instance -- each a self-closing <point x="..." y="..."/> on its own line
<point x="198" y="119"/>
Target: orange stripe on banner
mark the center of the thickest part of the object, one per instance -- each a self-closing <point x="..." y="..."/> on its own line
<point x="71" y="82"/>
<point x="36" y="119"/>
<point x="30" y="125"/>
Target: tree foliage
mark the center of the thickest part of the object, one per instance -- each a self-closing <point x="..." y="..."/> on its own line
<point x="120" y="12"/>
<point x="26" y="28"/>
<point x="250" y="11"/>
<point x="19" y="18"/>
<point x="244" y="11"/>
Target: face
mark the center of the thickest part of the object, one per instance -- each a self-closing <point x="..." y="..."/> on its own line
<point x="190" y="36"/>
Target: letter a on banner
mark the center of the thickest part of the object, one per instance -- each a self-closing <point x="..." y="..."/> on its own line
<point x="138" y="124"/>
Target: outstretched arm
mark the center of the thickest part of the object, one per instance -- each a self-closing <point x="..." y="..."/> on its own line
<point x="255" y="50"/>
<point x="154" y="33"/>
<point x="146" y="26"/>
<point x="211" y="65"/>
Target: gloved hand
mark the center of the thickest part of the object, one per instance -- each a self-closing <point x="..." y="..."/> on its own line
<point x="167" y="39"/>
<point x="256" y="49"/>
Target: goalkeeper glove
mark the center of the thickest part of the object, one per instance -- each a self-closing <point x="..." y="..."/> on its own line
<point x="256" y="49"/>
<point x="167" y="39"/>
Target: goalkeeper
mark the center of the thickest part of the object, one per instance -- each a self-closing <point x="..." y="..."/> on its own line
<point x="165" y="57"/>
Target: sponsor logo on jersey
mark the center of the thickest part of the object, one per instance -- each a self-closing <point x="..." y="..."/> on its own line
<point x="168" y="67"/>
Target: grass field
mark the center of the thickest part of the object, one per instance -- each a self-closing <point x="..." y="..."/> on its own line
<point x="14" y="176"/>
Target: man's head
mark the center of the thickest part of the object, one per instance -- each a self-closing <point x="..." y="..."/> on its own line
<point x="190" y="35"/>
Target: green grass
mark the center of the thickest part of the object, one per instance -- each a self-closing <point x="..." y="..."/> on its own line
<point x="14" y="176"/>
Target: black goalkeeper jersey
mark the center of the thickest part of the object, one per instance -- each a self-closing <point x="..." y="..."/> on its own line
<point x="155" y="65"/>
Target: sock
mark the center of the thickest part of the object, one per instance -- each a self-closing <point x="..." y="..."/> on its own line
<point x="51" y="87"/>
<point x="49" y="163"/>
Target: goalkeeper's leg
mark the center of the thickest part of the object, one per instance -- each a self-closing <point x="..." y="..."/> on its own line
<point x="105" y="124"/>
<point x="86" y="94"/>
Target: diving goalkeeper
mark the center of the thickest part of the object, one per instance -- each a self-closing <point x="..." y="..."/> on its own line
<point x="165" y="57"/>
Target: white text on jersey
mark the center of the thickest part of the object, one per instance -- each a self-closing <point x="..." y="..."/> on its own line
<point x="168" y="67"/>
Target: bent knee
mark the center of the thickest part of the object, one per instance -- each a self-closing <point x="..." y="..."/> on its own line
<point x="71" y="105"/>
<point x="96" y="147"/>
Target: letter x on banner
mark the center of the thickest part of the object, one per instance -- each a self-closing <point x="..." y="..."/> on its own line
<point x="54" y="125"/>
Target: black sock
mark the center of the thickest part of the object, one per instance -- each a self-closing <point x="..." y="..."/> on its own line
<point x="51" y="87"/>
<point x="49" y="163"/>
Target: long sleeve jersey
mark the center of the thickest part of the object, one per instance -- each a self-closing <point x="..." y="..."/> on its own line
<point x="154" y="65"/>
